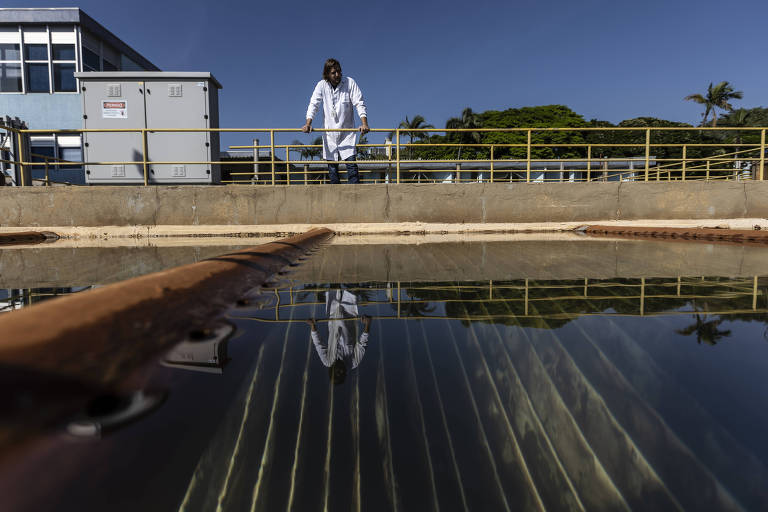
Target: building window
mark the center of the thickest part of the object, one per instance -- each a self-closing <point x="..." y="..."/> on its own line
<point x="55" y="149"/>
<point x="90" y="60"/>
<point x="10" y="51"/>
<point x="36" y="51"/>
<point x="64" y="77"/>
<point x="63" y="52"/>
<point x="37" y="76"/>
<point x="10" y="67"/>
<point x="36" y="62"/>
<point x="64" y="68"/>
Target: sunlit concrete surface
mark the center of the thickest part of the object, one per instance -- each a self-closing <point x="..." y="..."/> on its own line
<point x="479" y="203"/>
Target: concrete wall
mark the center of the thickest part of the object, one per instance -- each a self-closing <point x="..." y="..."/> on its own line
<point x="50" y="266"/>
<point x="441" y="203"/>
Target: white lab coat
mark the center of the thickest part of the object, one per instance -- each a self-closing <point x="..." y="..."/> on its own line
<point x="341" y="308"/>
<point x="337" y="109"/>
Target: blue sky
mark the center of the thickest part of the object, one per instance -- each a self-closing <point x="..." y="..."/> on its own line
<point x="609" y="60"/>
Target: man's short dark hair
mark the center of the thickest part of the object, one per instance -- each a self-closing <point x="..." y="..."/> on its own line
<point x="329" y="65"/>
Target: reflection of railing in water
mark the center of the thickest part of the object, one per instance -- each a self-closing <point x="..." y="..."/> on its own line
<point x="22" y="297"/>
<point x="528" y="298"/>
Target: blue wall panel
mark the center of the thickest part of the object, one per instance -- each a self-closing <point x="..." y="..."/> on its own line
<point x="44" y="111"/>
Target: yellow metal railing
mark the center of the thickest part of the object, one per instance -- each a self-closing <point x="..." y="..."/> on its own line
<point x="645" y="158"/>
<point x="537" y="299"/>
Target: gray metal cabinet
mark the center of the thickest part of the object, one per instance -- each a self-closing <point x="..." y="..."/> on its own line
<point x="157" y="101"/>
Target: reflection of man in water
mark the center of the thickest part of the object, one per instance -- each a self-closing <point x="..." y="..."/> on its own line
<point x="343" y="343"/>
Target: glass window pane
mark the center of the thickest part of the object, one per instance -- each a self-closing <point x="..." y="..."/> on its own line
<point x="36" y="51"/>
<point x="71" y="154"/>
<point x="63" y="51"/>
<point x="10" y="51"/>
<point x="64" y="78"/>
<point x="38" y="78"/>
<point x="108" y="66"/>
<point x="90" y="60"/>
<point x="37" y="154"/>
<point x="10" y="77"/>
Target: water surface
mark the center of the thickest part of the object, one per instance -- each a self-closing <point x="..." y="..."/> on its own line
<point x="610" y="376"/>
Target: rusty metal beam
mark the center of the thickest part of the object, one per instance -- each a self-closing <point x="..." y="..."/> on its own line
<point x="101" y="335"/>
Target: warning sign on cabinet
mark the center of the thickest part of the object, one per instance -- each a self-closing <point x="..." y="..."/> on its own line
<point x="111" y="109"/>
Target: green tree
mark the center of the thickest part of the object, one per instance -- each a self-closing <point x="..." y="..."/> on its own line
<point x="717" y="96"/>
<point x="749" y="116"/>
<point x="468" y="120"/>
<point x="410" y="126"/>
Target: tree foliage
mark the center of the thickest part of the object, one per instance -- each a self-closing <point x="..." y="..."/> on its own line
<point x="717" y="96"/>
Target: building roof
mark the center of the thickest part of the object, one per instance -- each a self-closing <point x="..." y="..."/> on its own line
<point x="71" y="15"/>
<point x="147" y="75"/>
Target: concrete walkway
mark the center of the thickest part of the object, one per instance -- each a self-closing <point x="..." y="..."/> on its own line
<point x="84" y="233"/>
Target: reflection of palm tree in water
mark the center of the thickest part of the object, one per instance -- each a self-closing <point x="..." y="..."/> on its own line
<point x="343" y="342"/>
<point x="706" y="331"/>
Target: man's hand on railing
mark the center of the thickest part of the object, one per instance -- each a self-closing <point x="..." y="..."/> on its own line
<point x="364" y="127"/>
<point x="307" y="126"/>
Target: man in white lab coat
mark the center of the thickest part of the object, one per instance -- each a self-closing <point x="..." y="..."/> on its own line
<point x="338" y="95"/>
<point x="343" y="343"/>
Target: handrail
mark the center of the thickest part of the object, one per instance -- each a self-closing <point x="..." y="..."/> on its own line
<point x="526" y="160"/>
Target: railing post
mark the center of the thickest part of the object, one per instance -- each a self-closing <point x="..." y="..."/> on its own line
<point x="647" y="152"/>
<point x="144" y="155"/>
<point x="272" y="153"/>
<point x="754" y="293"/>
<point x="526" y="297"/>
<point x="47" y="179"/>
<point x="707" y="179"/>
<point x="287" y="164"/>
<point x="491" y="163"/>
<point x="642" y="296"/>
<point x="255" y="161"/>
<point x="589" y="163"/>
<point x="20" y="159"/>
<point x="397" y="164"/>
<point x="398" y="283"/>
<point x="528" y="166"/>
<point x="685" y="159"/>
<point x="762" y="155"/>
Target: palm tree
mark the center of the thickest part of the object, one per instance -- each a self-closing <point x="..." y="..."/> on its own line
<point x="468" y="121"/>
<point x="717" y="96"/>
<point x="706" y="331"/>
<point x="302" y="151"/>
<point x="409" y="125"/>
<point x="311" y="153"/>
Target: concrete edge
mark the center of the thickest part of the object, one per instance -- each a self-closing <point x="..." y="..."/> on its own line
<point x="382" y="228"/>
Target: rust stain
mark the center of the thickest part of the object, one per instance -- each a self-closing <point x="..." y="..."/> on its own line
<point x="27" y="237"/>
<point x="709" y="235"/>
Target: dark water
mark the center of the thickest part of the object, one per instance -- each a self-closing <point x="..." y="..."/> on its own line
<point x="615" y="393"/>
